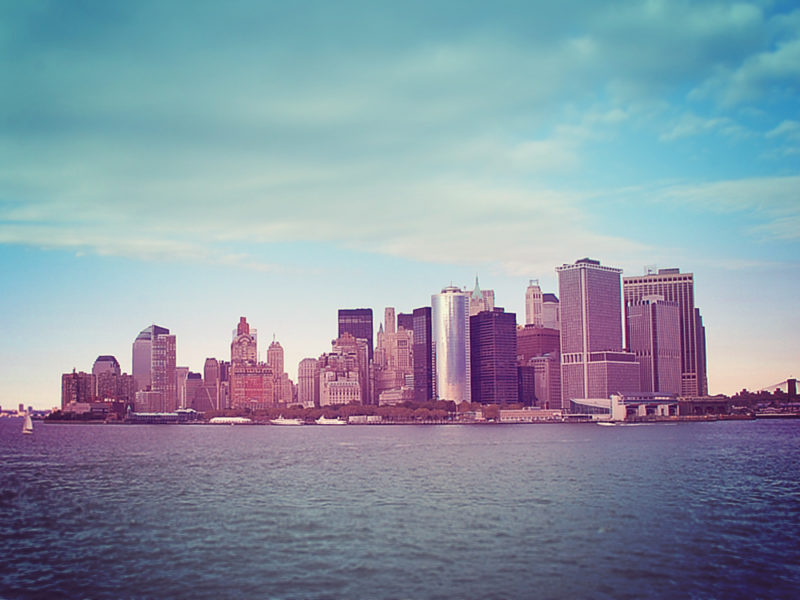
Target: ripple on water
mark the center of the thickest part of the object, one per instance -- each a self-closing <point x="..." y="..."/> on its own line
<point x="403" y="512"/>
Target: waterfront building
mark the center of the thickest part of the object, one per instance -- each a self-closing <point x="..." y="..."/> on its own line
<point x="358" y="323"/>
<point x="110" y="383"/>
<point x="654" y="336"/>
<point x="251" y="383"/>
<point x="211" y="382"/>
<point x="163" y="372"/>
<point x="450" y="311"/>
<point x="181" y="374"/>
<point x="393" y="364"/>
<point x="77" y="387"/>
<point x="282" y="384"/>
<point x="422" y="352"/>
<point x="111" y="386"/>
<point x="308" y="382"/>
<point x="142" y="356"/>
<point x="493" y="356"/>
<point x="344" y="374"/>
<point x="481" y="300"/>
<point x="533" y="304"/>
<point x="104" y="365"/>
<point x="547" y="380"/>
<point x="675" y="286"/>
<point x="196" y="394"/>
<point x="593" y="362"/>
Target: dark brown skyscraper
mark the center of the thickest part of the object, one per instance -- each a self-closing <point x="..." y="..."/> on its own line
<point x="493" y="354"/>
<point x="423" y="355"/>
<point x="358" y="323"/>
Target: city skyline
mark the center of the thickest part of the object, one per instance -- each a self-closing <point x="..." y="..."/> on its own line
<point x="369" y="155"/>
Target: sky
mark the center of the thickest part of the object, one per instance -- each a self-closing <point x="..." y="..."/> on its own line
<point x="188" y="163"/>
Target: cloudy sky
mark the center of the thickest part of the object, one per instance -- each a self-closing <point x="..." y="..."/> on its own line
<point x="187" y="163"/>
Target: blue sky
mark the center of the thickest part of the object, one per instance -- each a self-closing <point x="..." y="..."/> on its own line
<point x="186" y="163"/>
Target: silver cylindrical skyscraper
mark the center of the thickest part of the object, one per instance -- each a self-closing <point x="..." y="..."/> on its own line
<point x="450" y="320"/>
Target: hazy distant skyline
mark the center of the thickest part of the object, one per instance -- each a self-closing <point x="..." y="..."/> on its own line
<point x="188" y="163"/>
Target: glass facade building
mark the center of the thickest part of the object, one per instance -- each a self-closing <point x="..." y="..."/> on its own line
<point x="451" y="344"/>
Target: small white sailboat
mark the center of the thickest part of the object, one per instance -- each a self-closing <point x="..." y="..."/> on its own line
<point x="27" y="425"/>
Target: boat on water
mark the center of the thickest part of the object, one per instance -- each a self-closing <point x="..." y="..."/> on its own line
<point x="323" y="420"/>
<point x="27" y="424"/>
<point x="285" y="421"/>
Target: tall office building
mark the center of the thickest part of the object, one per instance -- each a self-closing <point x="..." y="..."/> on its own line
<point x="450" y="313"/>
<point x="154" y="370"/>
<point x="142" y="348"/>
<point x="533" y="340"/>
<point x="593" y="363"/>
<point x="308" y="382"/>
<point x="77" y="387"/>
<point x="480" y="300"/>
<point x="393" y="365"/>
<point x="700" y="344"/>
<point x="423" y="355"/>
<point x="493" y="356"/>
<point x="343" y="373"/>
<point x="406" y="321"/>
<point x="164" y="373"/>
<point x="533" y="304"/>
<point x="211" y="382"/>
<point x="106" y="370"/>
<point x="551" y="312"/>
<point x="358" y="323"/>
<point x="251" y="382"/>
<point x="654" y="336"/>
<point x="275" y="357"/>
<point x="389" y="320"/>
<point x="678" y="287"/>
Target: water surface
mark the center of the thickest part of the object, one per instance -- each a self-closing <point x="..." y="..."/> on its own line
<point x="695" y="510"/>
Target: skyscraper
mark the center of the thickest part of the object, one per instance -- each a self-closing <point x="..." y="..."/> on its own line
<point x="551" y="311"/>
<point x="533" y="304"/>
<point x="451" y="344"/>
<point x="406" y="321"/>
<point x="678" y="287"/>
<point x="423" y="355"/>
<point x="493" y="356"/>
<point x="593" y="363"/>
<point x="654" y="336"/>
<point x="154" y="369"/>
<point x="251" y="382"/>
<point x="164" y="374"/>
<point x="142" y="348"/>
<point x="76" y="387"/>
<point x="211" y="382"/>
<point x="358" y="323"/>
<point x="308" y="382"/>
<point x="480" y="300"/>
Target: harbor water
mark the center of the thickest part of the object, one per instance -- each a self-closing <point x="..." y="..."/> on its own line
<point x="683" y="510"/>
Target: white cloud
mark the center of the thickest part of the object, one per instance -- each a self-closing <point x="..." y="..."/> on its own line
<point x="775" y="72"/>
<point x="689" y="124"/>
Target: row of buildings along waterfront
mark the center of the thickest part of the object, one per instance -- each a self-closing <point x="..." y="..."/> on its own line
<point x="460" y="348"/>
